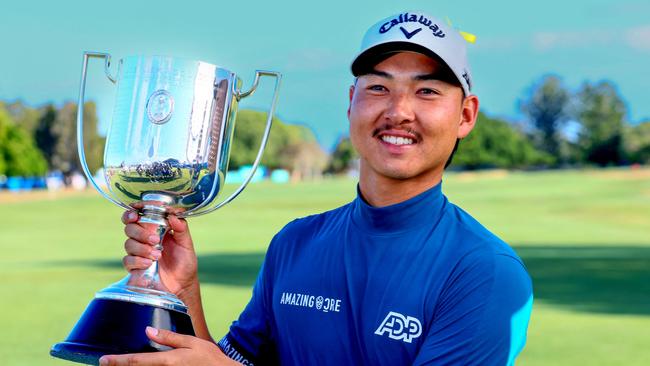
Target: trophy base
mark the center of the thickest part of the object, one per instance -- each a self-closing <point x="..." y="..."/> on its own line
<point x="118" y="327"/>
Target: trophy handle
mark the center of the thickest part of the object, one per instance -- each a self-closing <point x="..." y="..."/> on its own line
<point x="80" y="118"/>
<point x="269" y="121"/>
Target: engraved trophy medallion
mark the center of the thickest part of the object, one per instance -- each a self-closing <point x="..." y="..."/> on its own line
<point x="167" y="152"/>
<point x="160" y="106"/>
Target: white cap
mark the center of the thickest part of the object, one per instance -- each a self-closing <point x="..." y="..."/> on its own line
<point x="418" y="32"/>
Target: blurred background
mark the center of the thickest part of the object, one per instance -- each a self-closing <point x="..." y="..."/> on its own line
<point x="558" y="164"/>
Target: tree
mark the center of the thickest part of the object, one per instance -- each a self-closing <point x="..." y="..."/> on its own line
<point x="342" y="156"/>
<point x="56" y="136"/>
<point x="307" y="160"/>
<point x="4" y="134"/>
<point x="44" y="134"/>
<point x="24" y="116"/>
<point x="18" y="154"/>
<point x="548" y="109"/>
<point x="636" y="140"/>
<point x="601" y="113"/>
<point x="248" y="135"/>
<point x="494" y="143"/>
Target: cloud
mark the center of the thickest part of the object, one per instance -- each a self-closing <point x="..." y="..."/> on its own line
<point x="620" y="8"/>
<point x="638" y="37"/>
<point x="496" y="43"/>
<point x="544" y="41"/>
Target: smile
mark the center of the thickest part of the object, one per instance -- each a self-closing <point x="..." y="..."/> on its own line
<point x="394" y="140"/>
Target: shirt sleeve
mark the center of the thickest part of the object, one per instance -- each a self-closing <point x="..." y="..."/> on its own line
<point x="249" y="340"/>
<point x="483" y="315"/>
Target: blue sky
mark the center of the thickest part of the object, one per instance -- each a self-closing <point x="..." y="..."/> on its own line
<point x="312" y="44"/>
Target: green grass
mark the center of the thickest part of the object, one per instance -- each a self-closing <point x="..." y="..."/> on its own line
<point x="585" y="237"/>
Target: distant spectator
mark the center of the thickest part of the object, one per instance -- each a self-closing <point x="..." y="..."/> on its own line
<point x="78" y="182"/>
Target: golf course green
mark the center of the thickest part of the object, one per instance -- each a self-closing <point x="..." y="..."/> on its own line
<point x="584" y="236"/>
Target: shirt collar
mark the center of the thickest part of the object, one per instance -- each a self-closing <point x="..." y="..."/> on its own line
<point x="416" y="212"/>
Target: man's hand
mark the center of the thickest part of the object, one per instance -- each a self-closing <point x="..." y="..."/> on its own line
<point x="188" y="351"/>
<point x="178" y="266"/>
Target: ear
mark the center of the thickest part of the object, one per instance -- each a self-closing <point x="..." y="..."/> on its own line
<point x="468" y="116"/>
<point x="351" y="92"/>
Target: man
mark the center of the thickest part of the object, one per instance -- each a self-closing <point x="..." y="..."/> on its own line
<point x="399" y="276"/>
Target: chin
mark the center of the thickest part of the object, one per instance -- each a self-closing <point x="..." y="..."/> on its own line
<point x="398" y="174"/>
<point x="397" y="169"/>
<point x="411" y="170"/>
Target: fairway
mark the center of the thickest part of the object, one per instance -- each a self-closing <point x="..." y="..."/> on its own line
<point x="584" y="236"/>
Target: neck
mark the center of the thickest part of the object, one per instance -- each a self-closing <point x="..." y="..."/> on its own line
<point x="380" y="191"/>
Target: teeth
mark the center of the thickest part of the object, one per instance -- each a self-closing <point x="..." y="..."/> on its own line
<point x="397" y="140"/>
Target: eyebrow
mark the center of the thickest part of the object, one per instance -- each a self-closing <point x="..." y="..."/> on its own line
<point x="444" y="76"/>
<point x="379" y="73"/>
<point x="432" y="76"/>
<point x="441" y="76"/>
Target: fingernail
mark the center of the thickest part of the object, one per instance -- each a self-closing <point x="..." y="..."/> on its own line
<point x="153" y="331"/>
<point x="156" y="254"/>
<point x="103" y="360"/>
<point x="153" y="239"/>
<point x="131" y="215"/>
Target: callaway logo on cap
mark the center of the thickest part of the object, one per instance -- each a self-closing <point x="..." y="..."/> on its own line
<point x="418" y="32"/>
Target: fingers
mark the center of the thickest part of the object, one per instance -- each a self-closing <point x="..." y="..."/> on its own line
<point x="132" y="263"/>
<point x="169" y="338"/>
<point x="160" y="336"/>
<point x="140" y="359"/>
<point x="138" y="249"/>
<point x="178" y="225"/>
<point x="145" y="234"/>
<point x="139" y="233"/>
<point x="129" y="217"/>
<point x="181" y="232"/>
<point x="187" y="350"/>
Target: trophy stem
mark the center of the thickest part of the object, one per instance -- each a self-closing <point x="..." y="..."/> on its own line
<point x="154" y="215"/>
<point x="144" y="286"/>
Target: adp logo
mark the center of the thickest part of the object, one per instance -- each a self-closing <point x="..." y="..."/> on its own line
<point x="400" y="327"/>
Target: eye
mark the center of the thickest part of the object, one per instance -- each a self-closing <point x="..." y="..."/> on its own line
<point x="428" y="91"/>
<point x="377" y="88"/>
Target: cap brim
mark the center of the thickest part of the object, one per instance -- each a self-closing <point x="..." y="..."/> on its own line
<point x="369" y="58"/>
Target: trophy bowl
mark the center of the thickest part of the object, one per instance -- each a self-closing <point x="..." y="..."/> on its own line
<point x="167" y="152"/>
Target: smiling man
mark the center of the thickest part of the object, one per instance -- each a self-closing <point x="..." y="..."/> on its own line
<point x="399" y="276"/>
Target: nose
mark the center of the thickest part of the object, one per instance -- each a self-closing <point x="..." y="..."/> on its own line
<point x="400" y="109"/>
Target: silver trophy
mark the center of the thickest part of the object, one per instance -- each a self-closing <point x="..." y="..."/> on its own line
<point x="167" y="152"/>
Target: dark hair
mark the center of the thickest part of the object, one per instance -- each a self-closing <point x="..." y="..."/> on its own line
<point x="451" y="157"/>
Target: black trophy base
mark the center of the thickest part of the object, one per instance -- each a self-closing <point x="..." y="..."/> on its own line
<point x="110" y="327"/>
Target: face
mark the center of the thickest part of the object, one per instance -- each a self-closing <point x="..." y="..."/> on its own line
<point x="404" y="121"/>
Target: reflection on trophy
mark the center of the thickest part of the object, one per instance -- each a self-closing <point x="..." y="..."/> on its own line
<point x="167" y="152"/>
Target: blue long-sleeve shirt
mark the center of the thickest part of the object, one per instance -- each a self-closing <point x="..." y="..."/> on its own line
<point x="416" y="283"/>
